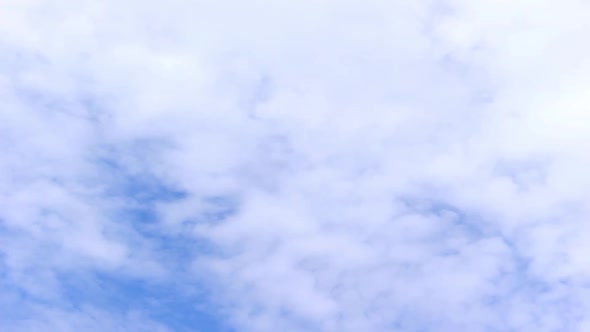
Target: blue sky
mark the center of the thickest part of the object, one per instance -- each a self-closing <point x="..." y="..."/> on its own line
<point x="328" y="166"/>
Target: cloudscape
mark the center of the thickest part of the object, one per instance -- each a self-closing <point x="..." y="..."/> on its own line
<point x="280" y="165"/>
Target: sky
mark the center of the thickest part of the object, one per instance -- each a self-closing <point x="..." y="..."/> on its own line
<point x="311" y="165"/>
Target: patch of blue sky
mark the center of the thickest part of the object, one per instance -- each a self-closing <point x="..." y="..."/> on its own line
<point x="139" y="218"/>
<point x="15" y="304"/>
<point x="179" y="304"/>
<point x="140" y="186"/>
<point x="182" y="302"/>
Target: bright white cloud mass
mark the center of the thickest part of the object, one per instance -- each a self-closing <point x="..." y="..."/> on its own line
<point x="330" y="166"/>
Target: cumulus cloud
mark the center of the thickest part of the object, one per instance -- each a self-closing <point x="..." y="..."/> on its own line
<point x="288" y="166"/>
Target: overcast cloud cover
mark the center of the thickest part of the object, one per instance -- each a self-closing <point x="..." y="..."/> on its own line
<point x="286" y="165"/>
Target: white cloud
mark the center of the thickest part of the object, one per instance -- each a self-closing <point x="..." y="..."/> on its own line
<point x="383" y="166"/>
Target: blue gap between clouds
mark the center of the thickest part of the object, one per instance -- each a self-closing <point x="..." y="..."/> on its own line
<point x="183" y="304"/>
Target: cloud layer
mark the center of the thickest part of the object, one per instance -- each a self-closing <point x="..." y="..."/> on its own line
<point x="294" y="166"/>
